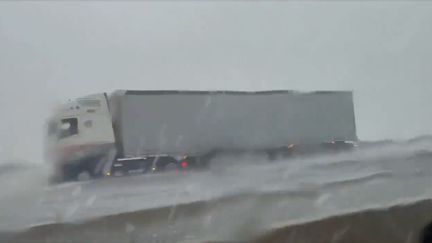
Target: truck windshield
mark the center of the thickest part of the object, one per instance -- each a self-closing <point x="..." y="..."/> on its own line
<point x="52" y="128"/>
<point x="68" y="127"/>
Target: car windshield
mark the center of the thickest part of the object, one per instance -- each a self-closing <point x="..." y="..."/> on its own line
<point x="215" y="121"/>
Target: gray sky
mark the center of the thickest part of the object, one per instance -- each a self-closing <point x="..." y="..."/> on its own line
<point x="52" y="51"/>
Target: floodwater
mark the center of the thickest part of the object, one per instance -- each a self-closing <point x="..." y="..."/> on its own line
<point x="241" y="200"/>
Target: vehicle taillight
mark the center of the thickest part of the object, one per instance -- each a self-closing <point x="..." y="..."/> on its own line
<point x="184" y="164"/>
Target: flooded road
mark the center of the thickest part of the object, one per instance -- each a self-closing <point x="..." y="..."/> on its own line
<point x="238" y="202"/>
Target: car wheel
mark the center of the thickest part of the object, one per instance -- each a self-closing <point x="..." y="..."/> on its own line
<point x="170" y="167"/>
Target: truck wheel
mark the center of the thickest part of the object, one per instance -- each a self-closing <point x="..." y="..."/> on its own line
<point x="69" y="172"/>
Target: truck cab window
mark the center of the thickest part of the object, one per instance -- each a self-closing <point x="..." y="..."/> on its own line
<point x="68" y="127"/>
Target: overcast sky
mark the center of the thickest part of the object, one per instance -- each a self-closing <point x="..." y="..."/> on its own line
<point x="52" y="51"/>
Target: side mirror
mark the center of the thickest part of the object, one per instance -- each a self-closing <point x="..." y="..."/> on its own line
<point x="65" y="126"/>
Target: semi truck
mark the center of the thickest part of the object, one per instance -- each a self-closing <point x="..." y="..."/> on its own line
<point x="142" y="131"/>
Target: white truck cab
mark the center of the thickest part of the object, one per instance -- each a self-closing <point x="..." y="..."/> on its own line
<point x="80" y="137"/>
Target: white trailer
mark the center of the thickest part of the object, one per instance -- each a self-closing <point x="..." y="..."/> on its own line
<point x="166" y="127"/>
